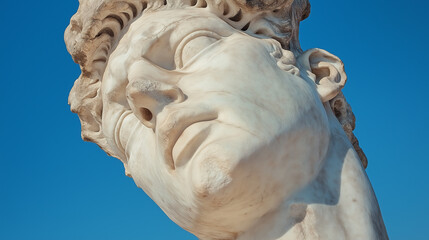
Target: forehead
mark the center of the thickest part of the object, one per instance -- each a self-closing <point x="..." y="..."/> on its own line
<point x="165" y="28"/>
<point x="156" y="35"/>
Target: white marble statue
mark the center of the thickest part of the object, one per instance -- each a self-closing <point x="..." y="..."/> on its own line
<point x="222" y="119"/>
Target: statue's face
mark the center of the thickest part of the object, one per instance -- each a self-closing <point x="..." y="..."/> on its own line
<point x="215" y="125"/>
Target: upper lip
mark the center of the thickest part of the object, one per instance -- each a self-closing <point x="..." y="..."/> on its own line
<point x="173" y="126"/>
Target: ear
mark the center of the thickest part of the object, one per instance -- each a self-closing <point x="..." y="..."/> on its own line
<point x="324" y="69"/>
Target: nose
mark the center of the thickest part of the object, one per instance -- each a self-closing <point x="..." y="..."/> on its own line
<point x="147" y="98"/>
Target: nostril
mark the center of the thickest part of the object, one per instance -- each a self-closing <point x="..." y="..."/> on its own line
<point x="146" y="114"/>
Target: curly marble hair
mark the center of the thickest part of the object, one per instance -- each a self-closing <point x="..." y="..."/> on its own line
<point x="98" y="25"/>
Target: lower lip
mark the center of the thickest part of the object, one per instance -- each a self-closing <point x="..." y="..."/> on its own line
<point x="189" y="142"/>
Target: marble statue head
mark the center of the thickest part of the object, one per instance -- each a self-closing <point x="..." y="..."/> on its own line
<point x="212" y="106"/>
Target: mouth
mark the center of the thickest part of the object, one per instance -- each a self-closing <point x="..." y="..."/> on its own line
<point x="190" y="141"/>
<point x="175" y="124"/>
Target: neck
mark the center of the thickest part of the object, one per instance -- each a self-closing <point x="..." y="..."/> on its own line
<point x="338" y="204"/>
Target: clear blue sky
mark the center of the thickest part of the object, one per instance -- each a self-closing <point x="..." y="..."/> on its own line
<point x="55" y="186"/>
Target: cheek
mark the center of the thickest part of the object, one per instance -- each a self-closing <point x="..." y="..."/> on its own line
<point x="309" y="138"/>
<point x="141" y="154"/>
<point x="305" y="153"/>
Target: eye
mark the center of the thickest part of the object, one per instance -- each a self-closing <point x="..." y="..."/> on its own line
<point x="193" y="44"/>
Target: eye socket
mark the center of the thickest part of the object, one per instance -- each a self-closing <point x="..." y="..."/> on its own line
<point x="192" y="45"/>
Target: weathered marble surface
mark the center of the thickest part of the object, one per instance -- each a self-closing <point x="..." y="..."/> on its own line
<point x="222" y="119"/>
